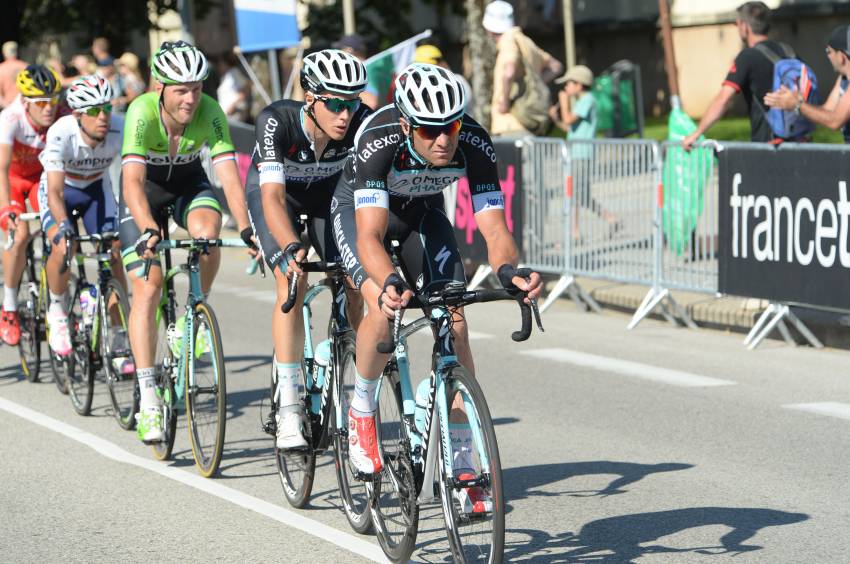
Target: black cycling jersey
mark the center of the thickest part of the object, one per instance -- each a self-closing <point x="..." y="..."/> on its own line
<point x="385" y="168"/>
<point x="284" y="154"/>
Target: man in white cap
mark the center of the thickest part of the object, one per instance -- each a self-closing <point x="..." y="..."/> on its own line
<point x="516" y="54"/>
<point x="9" y="69"/>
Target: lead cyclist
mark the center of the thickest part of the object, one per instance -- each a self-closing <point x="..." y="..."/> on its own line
<point x="164" y="133"/>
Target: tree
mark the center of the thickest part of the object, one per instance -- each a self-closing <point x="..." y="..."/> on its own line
<point x="482" y="56"/>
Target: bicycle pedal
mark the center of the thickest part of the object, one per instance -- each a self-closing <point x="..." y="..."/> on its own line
<point x="303" y="449"/>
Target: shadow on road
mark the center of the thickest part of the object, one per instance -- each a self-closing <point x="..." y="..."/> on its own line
<point x="619" y="540"/>
<point x="252" y="361"/>
<point x="521" y="483"/>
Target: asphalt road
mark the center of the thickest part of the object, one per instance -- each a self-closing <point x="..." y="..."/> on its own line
<point x="656" y="445"/>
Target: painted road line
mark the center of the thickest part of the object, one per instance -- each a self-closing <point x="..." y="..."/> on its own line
<point x="828" y="408"/>
<point x="629" y="368"/>
<point x="212" y="487"/>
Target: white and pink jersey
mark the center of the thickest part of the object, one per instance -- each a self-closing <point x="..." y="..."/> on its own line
<point x="27" y="141"/>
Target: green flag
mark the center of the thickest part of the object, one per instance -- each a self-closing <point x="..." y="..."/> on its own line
<point x="385" y="66"/>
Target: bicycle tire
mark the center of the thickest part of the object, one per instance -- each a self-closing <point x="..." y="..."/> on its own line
<point x="80" y="367"/>
<point x="465" y="543"/>
<point x="394" y="502"/>
<point x="60" y="366"/>
<point x="29" y="347"/>
<point x="207" y="453"/>
<point x="165" y="364"/>
<point x="354" y="494"/>
<point x="123" y="388"/>
<point x="296" y="468"/>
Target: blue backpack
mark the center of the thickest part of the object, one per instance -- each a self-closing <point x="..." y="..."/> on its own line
<point x="795" y="75"/>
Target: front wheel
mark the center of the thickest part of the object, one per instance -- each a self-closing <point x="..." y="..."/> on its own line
<point x="476" y="532"/>
<point x="80" y="366"/>
<point x="206" y="393"/>
<point x="117" y="357"/>
<point x="354" y="494"/>
<point x="165" y="367"/>
<point x="297" y="467"/>
<point x="29" y="347"/>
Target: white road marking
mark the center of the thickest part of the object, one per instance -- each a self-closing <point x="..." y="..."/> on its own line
<point x="828" y="408"/>
<point x="212" y="487"/>
<point x="629" y="368"/>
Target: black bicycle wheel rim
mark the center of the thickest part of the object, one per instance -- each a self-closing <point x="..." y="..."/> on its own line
<point x="354" y="494"/>
<point x="478" y="539"/>
<point x="395" y="511"/>
<point x="123" y="388"/>
<point x="206" y="399"/>
<point x="80" y="370"/>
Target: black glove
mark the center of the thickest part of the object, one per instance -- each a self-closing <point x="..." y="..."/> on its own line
<point x="507" y="272"/>
<point x="290" y="252"/>
<point x="143" y="240"/>
<point x="396" y="282"/>
<point x="66" y="231"/>
<point x="246" y="235"/>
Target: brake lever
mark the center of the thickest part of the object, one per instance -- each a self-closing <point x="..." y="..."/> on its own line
<point x="536" y="311"/>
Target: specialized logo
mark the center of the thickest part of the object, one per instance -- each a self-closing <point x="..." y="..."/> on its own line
<point x="378" y="144"/>
<point x="442" y="258"/>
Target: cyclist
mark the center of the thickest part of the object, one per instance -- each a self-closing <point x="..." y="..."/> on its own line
<point x="23" y="130"/>
<point x="161" y="170"/>
<point x="391" y="189"/>
<point x="301" y="148"/>
<point x="80" y="148"/>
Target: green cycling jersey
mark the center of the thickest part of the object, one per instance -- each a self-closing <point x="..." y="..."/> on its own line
<point x="146" y="141"/>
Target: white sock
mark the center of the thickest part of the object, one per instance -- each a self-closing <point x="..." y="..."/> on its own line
<point x="364" y="401"/>
<point x="147" y="387"/>
<point x="461" y="439"/>
<point x="57" y="303"/>
<point x="290" y="385"/>
<point x="10" y="299"/>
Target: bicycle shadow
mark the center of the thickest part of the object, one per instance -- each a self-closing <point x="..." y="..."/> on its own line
<point x="623" y="539"/>
<point x="237" y="402"/>
<point x="522" y="482"/>
<point x="253" y="361"/>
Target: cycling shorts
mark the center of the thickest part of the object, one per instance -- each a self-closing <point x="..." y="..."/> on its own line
<point x="23" y="190"/>
<point x="95" y="204"/>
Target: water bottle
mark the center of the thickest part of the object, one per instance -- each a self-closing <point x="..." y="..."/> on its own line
<point x="321" y="358"/>
<point x="419" y="415"/>
<point x="88" y="303"/>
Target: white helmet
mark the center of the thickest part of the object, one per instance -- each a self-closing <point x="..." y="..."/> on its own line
<point x="429" y="95"/>
<point x="178" y="63"/>
<point x="332" y="70"/>
<point x="88" y="91"/>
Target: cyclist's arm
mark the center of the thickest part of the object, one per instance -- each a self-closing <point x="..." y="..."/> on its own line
<point x="271" y="140"/>
<point x="133" y="175"/>
<point x="223" y="156"/>
<point x="371" y="228"/>
<point x="228" y="174"/>
<point x="5" y="163"/>
<point x="501" y="248"/>
<point x="274" y="206"/>
<point x="56" y="195"/>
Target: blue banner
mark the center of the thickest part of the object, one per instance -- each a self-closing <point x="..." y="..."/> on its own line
<point x="266" y="24"/>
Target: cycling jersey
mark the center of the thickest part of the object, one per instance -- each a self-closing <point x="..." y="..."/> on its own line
<point x="386" y="168"/>
<point x="285" y="154"/>
<point x="146" y="141"/>
<point x="66" y="151"/>
<point x="27" y="141"/>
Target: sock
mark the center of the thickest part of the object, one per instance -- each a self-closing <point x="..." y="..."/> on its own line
<point x="364" y="401"/>
<point x="290" y="387"/>
<point x="10" y="299"/>
<point x="57" y="302"/>
<point x="461" y="438"/>
<point x="147" y="387"/>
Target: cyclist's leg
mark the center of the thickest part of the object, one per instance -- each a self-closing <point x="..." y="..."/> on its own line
<point x="287" y="328"/>
<point x="199" y="212"/>
<point x="102" y="217"/>
<point x="14" y="259"/>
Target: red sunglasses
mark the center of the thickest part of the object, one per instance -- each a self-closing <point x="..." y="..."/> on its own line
<point x="431" y="132"/>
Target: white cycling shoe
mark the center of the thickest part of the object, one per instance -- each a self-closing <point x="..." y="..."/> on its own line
<point x="60" y="334"/>
<point x="289" y="435"/>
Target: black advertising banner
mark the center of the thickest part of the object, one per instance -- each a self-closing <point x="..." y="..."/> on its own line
<point x="470" y="242"/>
<point x="784" y="223"/>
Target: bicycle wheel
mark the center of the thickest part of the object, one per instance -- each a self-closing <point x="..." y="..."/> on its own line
<point x="354" y="493"/>
<point x="80" y="367"/>
<point x="206" y="393"/>
<point x="395" y="511"/>
<point x="474" y="537"/>
<point x="296" y="468"/>
<point x="29" y="347"/>
<point x="60" y="366"/>
<point x="166" y="365"/>
<point x="115" y="352"/>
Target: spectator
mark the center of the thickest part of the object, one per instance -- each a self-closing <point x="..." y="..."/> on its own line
<point x="517" y="55"/>
<point x="751" y="75"/>
<point x="356" y="45"/>
<point x="579" y="120"/>
<point x="100" y="50"/>
<point x="131" y="80"/>
<point x="432" y="55"/>
<point x="9" y="69"/>
<point x="83" y="64"/>
<point x="233" y="89"/>
<point x="106" y="69"/>
<point x="835" y="113"/>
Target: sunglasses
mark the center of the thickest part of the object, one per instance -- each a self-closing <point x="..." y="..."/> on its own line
<point x="94" y="111"/>
<point x="431" y="132"/>
<point x="44" y="102"/>
<point x="338" y="105"/>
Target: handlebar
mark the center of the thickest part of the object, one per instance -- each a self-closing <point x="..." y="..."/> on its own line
<point x="198" y="243"/>
<point x="455" y="295"/>
<point x="316" y="266"/>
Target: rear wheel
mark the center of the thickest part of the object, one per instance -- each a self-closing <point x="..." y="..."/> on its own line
<point x="60" y="366"/>
<point x="206" y="392"/>
<point x="80" y="367"/>
<point x="296" y="468"/>
<point x="116" y="354"/>
<point x="354" y="493"/>
<point x="29" y="347"/>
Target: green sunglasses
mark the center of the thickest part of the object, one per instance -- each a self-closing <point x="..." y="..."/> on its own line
<point x="338" y="105"/>
<point x="94" y="111"/>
